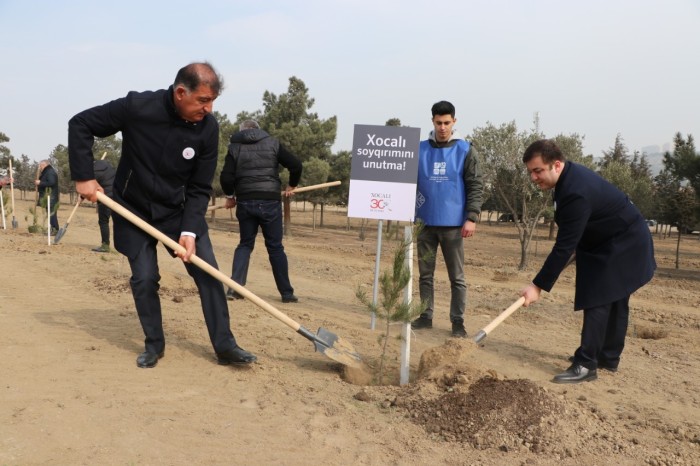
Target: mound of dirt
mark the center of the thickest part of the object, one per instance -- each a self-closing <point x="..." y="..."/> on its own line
<point x="451" y="363"/>
<point x="456" y="399"/>
<point x="504" y="414"/>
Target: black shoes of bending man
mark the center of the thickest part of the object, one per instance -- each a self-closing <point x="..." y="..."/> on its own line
<point x="236" y="356"/>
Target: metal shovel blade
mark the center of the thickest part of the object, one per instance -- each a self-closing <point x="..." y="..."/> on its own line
<point x="59" y="235"/>
<point x="333" y="346"/>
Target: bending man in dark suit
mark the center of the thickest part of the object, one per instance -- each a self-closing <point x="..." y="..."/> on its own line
<point x="170" y="145"/>
<point x="613" y="250"/>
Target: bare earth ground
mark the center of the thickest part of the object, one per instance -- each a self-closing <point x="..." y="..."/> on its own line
<point x="70" y="391"/>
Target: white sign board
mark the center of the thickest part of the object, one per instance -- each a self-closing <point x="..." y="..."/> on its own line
<point x="383" y="172"/>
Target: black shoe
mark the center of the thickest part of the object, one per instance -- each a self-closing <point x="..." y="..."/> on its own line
<point x="422" y="322"/>
<point x="458" y="330"/>
<point x="231" y="295"/>
<point x="606" y="366"/>
<point x="236" y="356"/>
<point x="575" y="374"/>
<point x="290" y="299"/>
<point x="147" y="359"/>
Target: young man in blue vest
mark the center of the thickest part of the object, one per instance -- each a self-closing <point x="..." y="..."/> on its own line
<point x="448" y="204"/>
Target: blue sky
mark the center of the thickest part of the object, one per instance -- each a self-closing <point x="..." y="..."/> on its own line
<point x="596" y="68"/>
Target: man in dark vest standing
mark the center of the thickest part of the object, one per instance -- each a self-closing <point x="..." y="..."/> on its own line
<point x="250" y="179"/>
<point x="613" y="250"/>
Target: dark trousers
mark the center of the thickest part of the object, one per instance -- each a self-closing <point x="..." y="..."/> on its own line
<point x="450" y="241"/>
<point x="53" y="215"/>
<point x="266" y="215"/>
<point x="103" y="214"/>
<point x="53" y="219"/>
<point x="144" y="282"/>
<point x="603" y="334"/>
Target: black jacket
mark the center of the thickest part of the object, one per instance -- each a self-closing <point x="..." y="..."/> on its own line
<point x="251" y="167"/>
<point x="613" y="246"/>
<point x="166" y="168"/>
<point x="48" y="179"/>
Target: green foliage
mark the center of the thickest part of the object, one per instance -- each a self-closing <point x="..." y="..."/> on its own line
<point x="391" y="306"/>
<point x="34" y="226"/>
<point x="226" y="130"/>
<point x="4" y="150"/>
<point x="684" y="162"/>
<point x="59" y="161"/>
<point x="315" y="171"/>
<point x="6" y="204"/>
<point x="631" y="175"/>
<point x="112" y="145"/>
<point x="640" y="189"/>
<point x="678" y="185"/>
<point x="506" y="181"/>
<point x="618" y="153"/>
<point x="507" y="184"/>
<point x="288" y="118"/>
<point x="340" y="171"/>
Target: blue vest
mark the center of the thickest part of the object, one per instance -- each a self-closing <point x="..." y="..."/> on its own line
<point x="442" y="198"/>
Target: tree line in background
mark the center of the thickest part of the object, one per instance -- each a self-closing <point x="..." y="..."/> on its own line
<point x="672" y="197"/>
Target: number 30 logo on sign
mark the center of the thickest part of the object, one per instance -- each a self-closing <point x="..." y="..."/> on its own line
<point x="377" y="204"/>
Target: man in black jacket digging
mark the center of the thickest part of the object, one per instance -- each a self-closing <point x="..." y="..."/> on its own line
<point x="170" y="144"/>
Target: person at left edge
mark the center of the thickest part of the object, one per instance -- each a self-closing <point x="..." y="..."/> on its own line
<point x="47" y="185"/>
<point x="170" y="145"/>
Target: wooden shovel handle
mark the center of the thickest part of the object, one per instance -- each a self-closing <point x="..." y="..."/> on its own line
<point x="213" y="271"/>
<point x="295" y="190"/>
<point x="501" y="317"/>
<point x="80" y="199"/>
<point x="315" y="186"/>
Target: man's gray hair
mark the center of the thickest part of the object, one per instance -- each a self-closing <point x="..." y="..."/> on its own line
<point x="250" y="124"/>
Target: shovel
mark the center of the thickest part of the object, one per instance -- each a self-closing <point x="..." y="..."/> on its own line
<point x="325" y="342"/>
<point x="62" y="230"/>
<point x="501" y="317"/>
<point x="12" y="195"/>
<point x="511" y="309"/>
